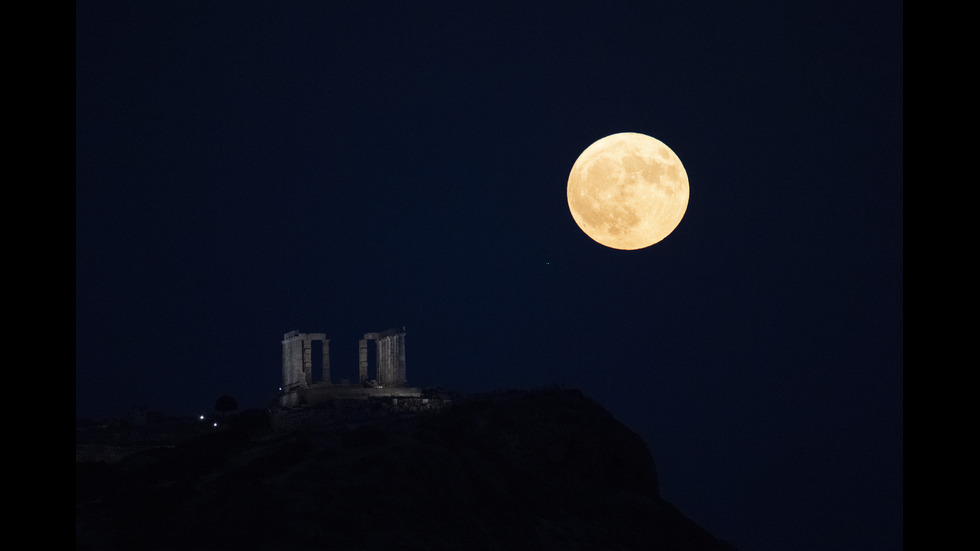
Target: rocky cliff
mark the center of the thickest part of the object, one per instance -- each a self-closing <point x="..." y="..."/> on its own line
<point x="541" y="470"/>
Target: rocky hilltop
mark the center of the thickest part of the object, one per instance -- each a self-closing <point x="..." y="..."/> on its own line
<point x="542" y="470"/>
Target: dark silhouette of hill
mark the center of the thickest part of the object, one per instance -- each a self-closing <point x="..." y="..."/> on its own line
<point x="547" y="469"/>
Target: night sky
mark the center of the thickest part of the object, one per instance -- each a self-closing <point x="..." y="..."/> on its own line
<point x="243" y="169"/>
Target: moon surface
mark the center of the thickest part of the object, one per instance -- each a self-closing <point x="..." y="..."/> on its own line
<point x="628" y="191"/>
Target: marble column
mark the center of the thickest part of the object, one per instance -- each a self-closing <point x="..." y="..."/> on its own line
<point x="362" y="365"/>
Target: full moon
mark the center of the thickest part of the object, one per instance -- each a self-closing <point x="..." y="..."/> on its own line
<point x="628" y="191"/>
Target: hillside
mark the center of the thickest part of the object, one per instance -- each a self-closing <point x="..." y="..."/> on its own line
<point x="547" y="469"/>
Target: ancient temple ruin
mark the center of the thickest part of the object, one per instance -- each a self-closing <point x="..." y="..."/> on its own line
<point x="299" y="388"/>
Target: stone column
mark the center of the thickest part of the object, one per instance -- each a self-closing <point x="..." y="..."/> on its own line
<point x="307" y="362"/>
<point x="292" y="359"/>
<point x="362" y="363"/>
<point x="286" y="363"/>
<point x="378" y="362"/>
<point x="390" y="373"/>
<point x="401" y="359"/>
<point x="389" y="363"/>
<point x="382" y="360"/>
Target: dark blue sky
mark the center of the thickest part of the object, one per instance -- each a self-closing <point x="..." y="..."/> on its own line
<point x="248" y="168"/>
